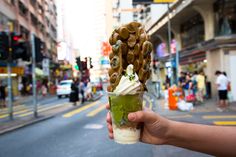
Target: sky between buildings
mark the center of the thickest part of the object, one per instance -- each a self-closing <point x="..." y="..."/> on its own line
<point x="85" y="25"/>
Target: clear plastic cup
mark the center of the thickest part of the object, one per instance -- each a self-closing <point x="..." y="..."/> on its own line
<point x="125" y="132"/>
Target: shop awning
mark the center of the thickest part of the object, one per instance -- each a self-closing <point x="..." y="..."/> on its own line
<point x="15" y="70"/>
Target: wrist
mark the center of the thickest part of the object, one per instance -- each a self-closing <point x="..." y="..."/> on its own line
<point x="171" y="132"/>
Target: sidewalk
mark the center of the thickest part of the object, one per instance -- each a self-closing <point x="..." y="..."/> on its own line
<point x="209" y="105"/>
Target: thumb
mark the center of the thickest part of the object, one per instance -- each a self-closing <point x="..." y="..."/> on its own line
<point x="142" y="116"/>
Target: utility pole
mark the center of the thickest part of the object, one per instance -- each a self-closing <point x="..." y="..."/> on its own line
<point x="34" y="76"/>
<point x="9" y="80"/>
<point x="169" y="44"/>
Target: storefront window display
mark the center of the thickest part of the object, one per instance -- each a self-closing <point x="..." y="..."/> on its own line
<point x="192" y="67"/>
<point x="225" y="16"/>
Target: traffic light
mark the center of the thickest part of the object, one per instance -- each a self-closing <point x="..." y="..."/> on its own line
<point x="4" y="46"/>
<point x="84" y="65"/>
<point x="90" y="63"/>
<point x="78" y="62"/>
<point x="20" y="48"/>
<point x="39" y="48"/>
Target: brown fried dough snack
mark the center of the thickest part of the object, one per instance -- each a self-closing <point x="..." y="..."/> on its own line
<point x="130" y="45"/>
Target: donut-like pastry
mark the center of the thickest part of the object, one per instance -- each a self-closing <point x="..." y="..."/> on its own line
<point x="115" y="62"/>
<point x="123" y="32"/>
<point x="130" y="45"/>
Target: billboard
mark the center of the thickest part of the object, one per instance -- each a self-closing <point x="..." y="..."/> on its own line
<point x="162" y="49"/>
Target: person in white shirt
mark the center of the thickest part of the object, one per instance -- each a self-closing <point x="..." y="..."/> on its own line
<point x="222" y="83"/>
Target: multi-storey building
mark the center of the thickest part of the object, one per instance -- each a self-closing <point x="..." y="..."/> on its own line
<point x="204" y="32"/>
<point x="31" y="16"/>
<point x="28" y="17"/>
<point x="122" y="12"/>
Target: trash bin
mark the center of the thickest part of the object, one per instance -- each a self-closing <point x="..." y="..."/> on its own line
<point x="174" y="95"/>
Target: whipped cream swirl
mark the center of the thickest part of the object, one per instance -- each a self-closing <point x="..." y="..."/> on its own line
<point x="129" y="83"/>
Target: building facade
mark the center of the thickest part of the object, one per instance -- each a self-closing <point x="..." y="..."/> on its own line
<point x="204" y="33"/>
<point x="31" y="16"/>
<point x="28" y="17"/>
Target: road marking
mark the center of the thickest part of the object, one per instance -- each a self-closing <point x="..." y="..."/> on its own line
<point x="224" y="122"/>
<point x="72" y="113"/>
<point x="218" y="117"/>
<point x="41" y="109"/>
<point x="21" y="111"/>
<point x="93" y="126"/>
<point x="181" y="116"/>
<point x="96" y="111"/>
<point x="5" y="110"/>
<point x="4" y="116"/>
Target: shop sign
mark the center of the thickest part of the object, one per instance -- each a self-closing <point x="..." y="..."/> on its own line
<point x="46" y="71"/>
<point x="45" y="62"/>
<point x="16" y="70"/>
<point x="46" y="67"/>
<point x="66" y="66"/>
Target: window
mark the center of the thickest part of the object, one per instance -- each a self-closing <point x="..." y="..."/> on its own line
<point x="192" y="31"/>
<point x="225" y="16"/>
<point x="22" y="9"/>
<point x="33" y="2"/>
<point x="34" y="20"/>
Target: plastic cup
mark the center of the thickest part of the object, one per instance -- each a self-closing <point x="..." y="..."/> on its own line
<point x="124" y="131"/>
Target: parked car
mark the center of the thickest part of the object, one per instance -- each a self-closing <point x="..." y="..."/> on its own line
<point x="64" y="88"/>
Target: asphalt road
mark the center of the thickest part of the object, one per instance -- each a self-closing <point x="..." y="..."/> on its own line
<point x="82" y="132"/>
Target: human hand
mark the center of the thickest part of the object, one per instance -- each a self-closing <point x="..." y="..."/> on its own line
<point x="155" y="128"/>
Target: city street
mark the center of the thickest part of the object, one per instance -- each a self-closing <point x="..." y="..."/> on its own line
<point x="82" y="132"/>
<point x="61" y="59"/>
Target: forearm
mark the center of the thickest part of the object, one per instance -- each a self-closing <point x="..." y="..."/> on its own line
<point x="215" y="140"/>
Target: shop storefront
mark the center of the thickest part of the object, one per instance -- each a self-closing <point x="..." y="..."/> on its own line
<point x="16" y="74"/>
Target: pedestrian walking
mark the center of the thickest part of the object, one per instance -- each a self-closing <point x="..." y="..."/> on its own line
<point x="194" y="83"/>
<point x="2" y="95"/>
<point x="200" y="86"/>
<point x="88" y="90"/>
<point x="188" y="87"/>
<point x="82" y="90"/>
<point x="44" y="90"/>
<point x="20" y="88"/>
<point x="229" y="93"/>
<point x="222" y="84"/>
<point x="74" y="94"/>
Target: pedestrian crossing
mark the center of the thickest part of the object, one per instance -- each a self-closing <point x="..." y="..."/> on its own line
<point x="223" y="120"/>
<point x="99" y="108"/>
<point x="24" y="110"/>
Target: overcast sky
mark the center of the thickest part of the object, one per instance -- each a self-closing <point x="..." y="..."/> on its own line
<point x="85" y="23"/>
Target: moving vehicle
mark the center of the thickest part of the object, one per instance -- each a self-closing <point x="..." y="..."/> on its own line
<point x="64" y="88"/>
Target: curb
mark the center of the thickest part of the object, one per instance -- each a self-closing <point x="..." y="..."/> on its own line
<point x="25" y="124"/>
